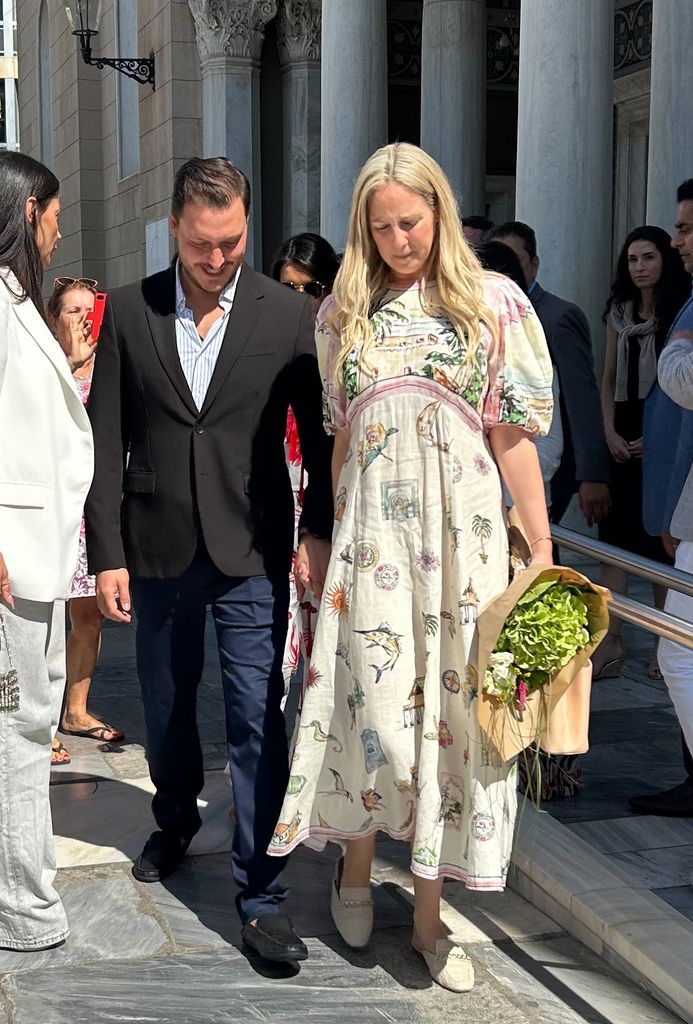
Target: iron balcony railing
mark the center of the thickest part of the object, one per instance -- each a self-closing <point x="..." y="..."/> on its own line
<point x="671" y="627"/>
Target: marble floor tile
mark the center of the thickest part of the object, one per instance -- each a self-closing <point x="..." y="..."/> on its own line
<point x="576" y="986"/>
<point x="560" y="862"/>
<point x="641" y="832"/>
<point x="197" y="900"/>
<point x="661" y="952"/>
<point x="657" y="868"/>
<point x="102" y="822"/>
<point x="601" y="909"/>
<point x="679" y="897"/>
<point x="106" y="919"/>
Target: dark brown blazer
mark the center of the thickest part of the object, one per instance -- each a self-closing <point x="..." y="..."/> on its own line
<point x="166" y="471"/>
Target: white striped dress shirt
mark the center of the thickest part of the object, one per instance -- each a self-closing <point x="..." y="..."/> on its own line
<point x="197" y="357"/>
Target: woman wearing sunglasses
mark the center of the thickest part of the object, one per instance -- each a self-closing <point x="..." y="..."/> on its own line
<point x="68" y="308"/>
<point x="307" y="263"/>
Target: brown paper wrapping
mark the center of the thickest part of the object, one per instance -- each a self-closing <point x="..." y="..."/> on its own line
<point x="557" y="715"/>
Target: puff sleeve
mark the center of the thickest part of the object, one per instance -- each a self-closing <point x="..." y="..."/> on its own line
<point x="520" y="386"/>
<point x="327" y="344"/>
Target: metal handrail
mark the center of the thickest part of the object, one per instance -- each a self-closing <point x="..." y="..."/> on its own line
<point x="665" y="576"/>
<point x="671" y="627"/>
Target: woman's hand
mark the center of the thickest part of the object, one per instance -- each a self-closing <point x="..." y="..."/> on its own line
<point x="619" y="448"/>
<point x="312" y="559"/>
<point x="5" y="592"/>
<point x="81" y="344"/>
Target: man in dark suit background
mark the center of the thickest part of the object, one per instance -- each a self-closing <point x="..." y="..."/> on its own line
<point x="197" y="366"/>
<point x="585" y="462"/>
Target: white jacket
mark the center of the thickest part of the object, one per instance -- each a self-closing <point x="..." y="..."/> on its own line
<point x="46" y="453"/>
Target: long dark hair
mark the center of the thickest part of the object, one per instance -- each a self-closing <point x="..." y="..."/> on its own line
<point x="670" y="292"/>
<point x="311" y="253"/>
<point x="20" y="178"/>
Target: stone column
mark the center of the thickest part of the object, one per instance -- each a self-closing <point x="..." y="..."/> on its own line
<point x="298" y="37"/>
<point x="671" y="139"/>
<point x="564" y="149"/>
<point x="354" y="103"/>
<point x="229" y="39"/>
<point x="453" y="95"/>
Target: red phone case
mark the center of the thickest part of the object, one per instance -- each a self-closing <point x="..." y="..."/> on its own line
<point x="96" y="314"/>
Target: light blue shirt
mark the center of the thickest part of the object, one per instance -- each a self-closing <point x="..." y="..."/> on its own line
<point x="197" y="357"/>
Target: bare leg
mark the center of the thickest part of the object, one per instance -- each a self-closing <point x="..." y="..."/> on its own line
<point x="358" y="859"/>
<point x="428" y="927"/>
<point x="83" y="645"/>
<point x="611" y="647"/>
<point x="659" y="595"/>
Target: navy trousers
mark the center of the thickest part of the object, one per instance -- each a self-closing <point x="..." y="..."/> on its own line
<point x="250" y="615"/>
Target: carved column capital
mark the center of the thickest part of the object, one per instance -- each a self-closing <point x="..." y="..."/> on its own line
<point x="298" y="31"/>
<point x="231" y="28"/>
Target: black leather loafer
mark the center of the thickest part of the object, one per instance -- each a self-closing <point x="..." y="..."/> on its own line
<point x="161" y="855"/>
<point x="273" y="938"/>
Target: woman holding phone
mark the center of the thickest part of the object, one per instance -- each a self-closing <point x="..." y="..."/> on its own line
<point x="75" y="320"/>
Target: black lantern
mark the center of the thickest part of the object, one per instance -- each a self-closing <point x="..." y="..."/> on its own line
<point x="85" y="25"/>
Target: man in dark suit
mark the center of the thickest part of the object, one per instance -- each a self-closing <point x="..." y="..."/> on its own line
<point x="585" y="462"/>
<point x="197" y="366"/>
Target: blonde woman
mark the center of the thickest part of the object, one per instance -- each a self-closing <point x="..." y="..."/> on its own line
<point x="436" y="376"/>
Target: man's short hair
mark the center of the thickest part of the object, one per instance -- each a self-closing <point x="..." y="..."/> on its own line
<point x="478" y="222"/>
<point x="684" y="192"/>
<point x="214" y="182"/>
<point x="521" y="230"/>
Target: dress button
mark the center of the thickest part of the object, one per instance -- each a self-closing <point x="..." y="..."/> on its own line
<point x="199" y="430"/>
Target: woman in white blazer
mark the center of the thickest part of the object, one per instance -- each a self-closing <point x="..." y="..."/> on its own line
<point x="46" y="461"/>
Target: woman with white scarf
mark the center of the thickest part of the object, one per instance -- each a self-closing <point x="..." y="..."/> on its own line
<point x="650" y="286"/>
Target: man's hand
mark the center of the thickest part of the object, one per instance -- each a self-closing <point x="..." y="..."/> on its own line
<point x="670" y="545"/>
<point x="312" y="559"/>
<point x="5" y="592"/>
<point x="636" y="448"/>
<point x="113" y="594"/>
<point x="594" y="500"/>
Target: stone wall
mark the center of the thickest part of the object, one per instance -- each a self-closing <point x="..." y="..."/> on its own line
<point x="107" y="220"/>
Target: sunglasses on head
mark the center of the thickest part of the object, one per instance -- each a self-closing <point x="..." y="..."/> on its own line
<point x="313" y="288"/>
<point x="69" y="282"/>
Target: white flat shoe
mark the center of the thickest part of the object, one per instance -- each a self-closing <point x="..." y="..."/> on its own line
<point x="449" y="965"/>
<point x="352" y="910"/>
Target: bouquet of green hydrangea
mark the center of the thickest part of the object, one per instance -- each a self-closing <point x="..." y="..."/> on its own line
<point x="546" y="628"/>
<point x="532" y="642"/>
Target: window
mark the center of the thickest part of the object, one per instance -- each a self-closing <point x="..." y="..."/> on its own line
<point x="44" y="86"/>
<point x="3" y="116"/>
<point x="128" y="98"/>
<point x="8" y="29"/>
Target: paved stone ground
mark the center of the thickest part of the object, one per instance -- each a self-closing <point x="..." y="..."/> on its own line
<point x="635" y="748"/>
<point x="172" y="953"/>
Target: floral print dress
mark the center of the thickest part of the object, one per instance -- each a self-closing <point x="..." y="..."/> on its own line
<point x="83" y="585"/>
<point x="387" y="737"/>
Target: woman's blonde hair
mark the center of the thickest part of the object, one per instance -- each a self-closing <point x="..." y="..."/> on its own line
<point x="363" y="277"/>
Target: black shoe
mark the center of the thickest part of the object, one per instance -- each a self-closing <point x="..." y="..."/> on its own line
<point x="671" y="803"/>
<point x="161" y="855"/>
<point x="273" y="938"/>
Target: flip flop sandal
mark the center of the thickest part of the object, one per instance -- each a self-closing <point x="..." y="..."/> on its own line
<point x="98" y="732"/>
<point x="61" y="749"/>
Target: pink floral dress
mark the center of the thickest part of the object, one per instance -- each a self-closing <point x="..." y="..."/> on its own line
<point x="83" y="585"/>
